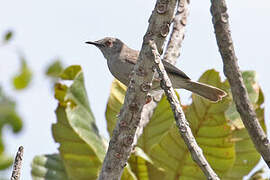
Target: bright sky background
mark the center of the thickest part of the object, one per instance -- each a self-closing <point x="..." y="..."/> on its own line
<point x="49" y="29"/>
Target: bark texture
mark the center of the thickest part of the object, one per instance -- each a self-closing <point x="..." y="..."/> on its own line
<point x="122" y="140"/>
<point x="232" y="72"/>
<point x="178" y="33"/>
<point x="171" y="55"/>
<point x="181" y="122"/>
<point x="16" y="173"/>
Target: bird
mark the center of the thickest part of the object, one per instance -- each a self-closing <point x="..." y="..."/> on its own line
<point x="121" y="61"/>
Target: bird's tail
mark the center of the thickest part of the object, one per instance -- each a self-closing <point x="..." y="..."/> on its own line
<point x="209" y="92"/>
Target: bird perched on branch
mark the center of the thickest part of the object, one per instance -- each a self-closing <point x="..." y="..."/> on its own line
<point x="121" y="60"/>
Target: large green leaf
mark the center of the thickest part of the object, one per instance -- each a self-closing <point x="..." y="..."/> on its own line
<point x="251" y="83"/>
<point x="161" y="120"/>
<point x="8" y="116"/>
<point x="24" y="77"/>
<point x="246" y="154"/>
<point x="48" y="167"/>
<point x="138" y="162"/>
<point x="115" y="102"/>
<point x="82" y="149"/>
<point x="209" y="126"/>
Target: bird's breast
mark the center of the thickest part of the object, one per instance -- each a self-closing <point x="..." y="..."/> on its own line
<point x="120" y="70"/>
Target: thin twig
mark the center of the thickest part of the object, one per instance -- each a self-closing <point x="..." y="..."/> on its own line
<point x="178" y="33"/>
<point x="232" y="72"/>
<point x="122" y="140"/>
<point x="180" y="119"/>
<point x="16" y="173"/>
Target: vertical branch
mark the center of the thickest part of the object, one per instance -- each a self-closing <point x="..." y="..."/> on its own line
<point x="122" y="140"/>
<point x="171" y="55"/>
<point x="181" y="121"/>
<point x="178" y="33"/>
<point x="16" y="173"/>
<point x="232" y="72"/>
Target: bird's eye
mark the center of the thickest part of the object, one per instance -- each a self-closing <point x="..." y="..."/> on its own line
<point x="109" y="43"/>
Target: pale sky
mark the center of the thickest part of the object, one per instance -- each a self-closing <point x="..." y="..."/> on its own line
<point x="49" y="29"/>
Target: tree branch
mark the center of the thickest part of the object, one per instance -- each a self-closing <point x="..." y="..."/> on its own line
<point x="122" y="140"/>
<point x="16" y="173"/>
<point x="178" y="33"/>
<point x="232" y="72"/>
<point x="171" y="55"/>
<point x="180" y="119"/>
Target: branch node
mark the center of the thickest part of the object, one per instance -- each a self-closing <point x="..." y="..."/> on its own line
<point x="128" y="141"/>
<point x="145" y="87"/>
<point x="162" y="7"/>
<point x="141" y="72"/>
<point x="133" y="107"/>
<point x="123" y="124"/>
<point x="148" y="99"/>
<point x="165" y="29"/>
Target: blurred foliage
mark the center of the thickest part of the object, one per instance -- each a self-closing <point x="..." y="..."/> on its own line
<point x="54" y="69"/>
<point x="246" y="155"/>
<point x="258" y="175"/>
<point x="82" y="149"/>
<point x="24" y="77"/>
<point x="115" y="102"/>
<point x="8" y="36"/>
<point x="161" y="152"/>
<point x="49" y="167"/>
<point x="75" y="129"/>
<point x="8" y="116"/>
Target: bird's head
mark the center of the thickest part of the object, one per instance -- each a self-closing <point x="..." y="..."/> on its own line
<point x="109" y="46"/>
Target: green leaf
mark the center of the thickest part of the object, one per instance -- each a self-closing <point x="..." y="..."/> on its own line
<point x="246" y="154"/>
<point x="161" y="121"/>
<point x="128" y="174"/>
<point x="258" y="175"/>
<point x="23" y="78"/>
<point x="5" y="161"/>
<point x="71" y="72"/>
<point x="8" y="116"/>
<point x="209" y="126"/>
<point x="81" y="146"/>
<point x="251" y="83"/>
<point x="8" y="35"/>
<point x="250" y="80"/>
<point x="82" y="149"/>
<point x="142" y="166"/>
<point x="54" y="69"/>
<point x="115" y="102"/>
<point x="138" y="162"/>
<point x="48" y="167"/>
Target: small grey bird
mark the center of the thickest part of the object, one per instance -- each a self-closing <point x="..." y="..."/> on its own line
<point x="121" y="60"/>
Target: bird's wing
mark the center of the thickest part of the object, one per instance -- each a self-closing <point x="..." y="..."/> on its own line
<point x="133" y="56"/>
<point x="174" y="70"/>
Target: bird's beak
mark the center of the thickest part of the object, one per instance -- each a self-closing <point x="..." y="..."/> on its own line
<point x="95" y="43"/>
